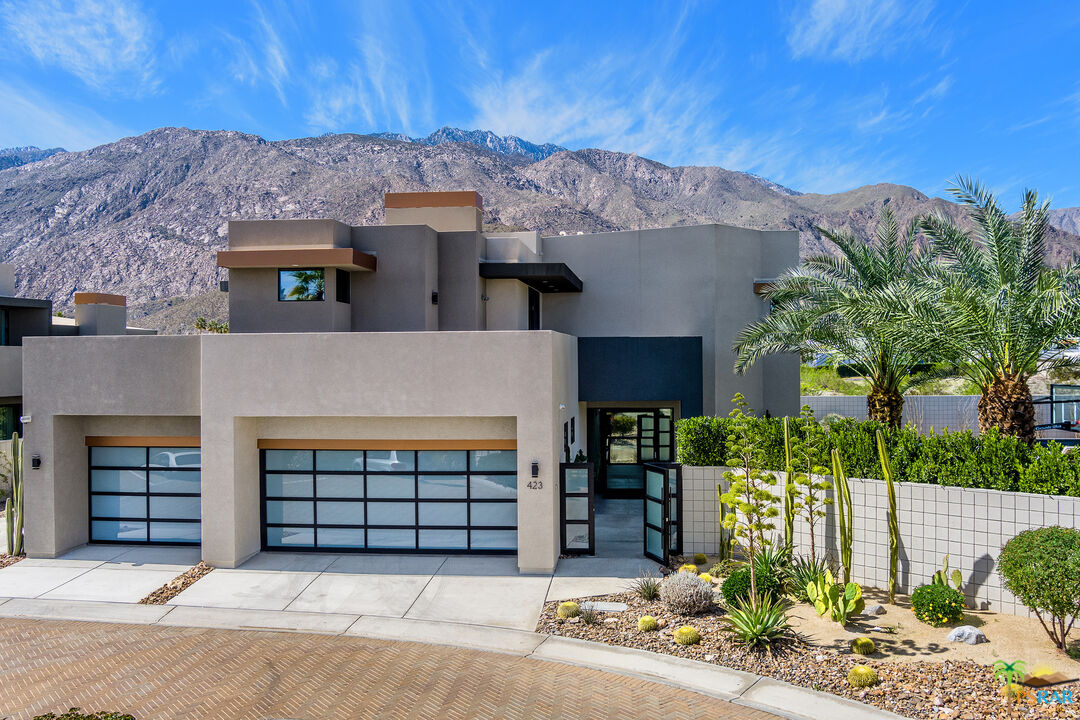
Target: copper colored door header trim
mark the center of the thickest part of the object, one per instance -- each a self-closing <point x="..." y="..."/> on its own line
<point x="143" y="441"/>
<point x="353" y="444"/>
<point x="461" y="198"/>
<point x="346" y="258"/>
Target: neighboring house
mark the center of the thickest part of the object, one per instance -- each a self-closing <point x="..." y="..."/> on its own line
<point x="411" y="387"/>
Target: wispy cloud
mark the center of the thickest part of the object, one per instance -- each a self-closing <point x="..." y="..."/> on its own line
<point x="105" y="43"/>
<point x="853" y="30"/>
<point x="29" y="118"/>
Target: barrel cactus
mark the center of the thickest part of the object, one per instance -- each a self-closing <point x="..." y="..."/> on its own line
<point x="647" y="623"/>
<point x="862" y="676"/>
<point x="862" y="646"/>
<point x="706" y="577"/>
<point x="686" y="635"/>
<point x="700" y="559"/>
<point x="568" y="610"/>
<point x="688" y="568"/>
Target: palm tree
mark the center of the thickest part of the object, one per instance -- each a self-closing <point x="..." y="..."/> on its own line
<point x="819" y="308"/>
<point x="992" y="305"/>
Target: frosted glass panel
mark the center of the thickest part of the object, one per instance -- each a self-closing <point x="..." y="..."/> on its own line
<point x="494" y="486"/>
<point x="290" y="511"/>
<point x="577" y="508"/>
<point x="391" y="539"/>
<point x="347" y="460"/>
<point x="169" y="508"/>
<point x="444" y="514"/>
<point x="654" y="513"/>
<point x="577" y="480"/>
<point x="175" y="532"/>
<point x="118" y="481"/>
<point x="391" y="513"/>
<point x="442" y="460"/>
<point x="124" y="531"/>
<point x="442" y="486"/>
<point x="118" y="456"/>
<point x="391" y="486"/>
<point x="577" y="536"/>
<point x="444" y="539"/>
<point x="131" y="506"/>
<point x="288" y="485"/>
<point x="175" y="457"/>
<point x="341" y="513"/>
<point x="490" y="460"/>
<point x="289" y="459"/>
<point x="341" y="537"/>
<point x="290" y="537"/>
<point x="174" y="481"/>
<point x="340" y="486"/>
<point x="654" y="542"/>
<point x="654" y="484"/>
<point x="494" y="539"/>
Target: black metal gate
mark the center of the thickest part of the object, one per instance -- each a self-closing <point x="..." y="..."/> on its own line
<point x="663" y="515"/>
<point x="578" y="508"/>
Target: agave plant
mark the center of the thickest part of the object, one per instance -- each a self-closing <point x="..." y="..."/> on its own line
<point x="819" y="308"/>
<point x="992" y="306"/>
<point x="758" y="626"/>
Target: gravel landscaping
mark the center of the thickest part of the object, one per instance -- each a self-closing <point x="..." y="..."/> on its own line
<point x="177" y="585"/>
<point x="913" y="688"/>
<point x="6" y="560"/>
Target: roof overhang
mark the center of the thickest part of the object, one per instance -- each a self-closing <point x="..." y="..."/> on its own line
<point x="18" y="302"/>
<point x="344" y="258"/>
<point x="545" y="277"/>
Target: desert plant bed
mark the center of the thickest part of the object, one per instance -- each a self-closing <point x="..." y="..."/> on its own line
<point x="6" y="560"/>
<point x="177" y="585"/>
<point x="921" y="674"/>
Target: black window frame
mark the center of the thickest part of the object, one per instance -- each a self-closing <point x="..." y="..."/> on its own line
<point x="301" y="300"/>
<point x="468" y="501"/>
<point x="148" y="519"/>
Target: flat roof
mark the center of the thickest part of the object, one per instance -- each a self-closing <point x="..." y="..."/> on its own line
<point x="24" y="302"/>
<point x="544" y="277"/>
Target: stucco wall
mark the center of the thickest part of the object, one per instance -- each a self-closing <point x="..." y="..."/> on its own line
<point x="970" y="525"/>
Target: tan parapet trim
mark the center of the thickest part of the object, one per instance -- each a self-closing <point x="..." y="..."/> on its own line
<point x="143" y="441"/>
<point x="308" y="257"/>
<point x="92" y="298"/>
<point x="461" y="198"/>
<point x="354" y="444"/>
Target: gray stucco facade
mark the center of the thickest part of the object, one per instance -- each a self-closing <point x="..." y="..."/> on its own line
<point x="455" y="369"/>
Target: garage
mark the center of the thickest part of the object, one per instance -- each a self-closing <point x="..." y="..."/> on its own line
<point x="389" y="500"/>
<point x="145" y="494"/>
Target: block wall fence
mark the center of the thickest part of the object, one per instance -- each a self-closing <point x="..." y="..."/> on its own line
<point x="971" y="525"/>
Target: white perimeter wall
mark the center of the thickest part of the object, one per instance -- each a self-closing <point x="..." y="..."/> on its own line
<point x="971" y="525"/>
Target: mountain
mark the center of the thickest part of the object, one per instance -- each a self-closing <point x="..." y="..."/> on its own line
<point x="503" y="145"/>
<point x="143" y="216"/>
<point x="13" y="157"/>
<point x="1066" y="219"/>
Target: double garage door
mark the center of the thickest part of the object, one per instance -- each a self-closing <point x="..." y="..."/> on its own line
<point x="390" y="500"/>
<point x="145" y="495"/>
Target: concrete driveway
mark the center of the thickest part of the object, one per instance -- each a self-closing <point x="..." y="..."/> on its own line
<point x="474" y="590"/>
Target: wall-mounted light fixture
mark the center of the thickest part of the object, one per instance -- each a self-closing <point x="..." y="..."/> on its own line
<point x="535" y="469"/>
<point x="35" y="462"/>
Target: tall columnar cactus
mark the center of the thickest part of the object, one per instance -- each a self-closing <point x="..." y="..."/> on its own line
<point x="844" y="513"/>
<point x="790" y="489"/>
<point x="13" y="507"/>
<point x="894" y="524"/>
<point x="727" y="538"/>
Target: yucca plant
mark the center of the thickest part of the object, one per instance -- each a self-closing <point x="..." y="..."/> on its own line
<point x="757" y="626"/>
<point x="819" y="308"/>
<point x="992" y="306"/>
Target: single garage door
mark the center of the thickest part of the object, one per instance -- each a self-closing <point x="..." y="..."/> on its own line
<point x="457" y="501"/>
<point x="145" y="495"/>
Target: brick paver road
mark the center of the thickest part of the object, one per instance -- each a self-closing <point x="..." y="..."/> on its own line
<point x="162" y="672"/>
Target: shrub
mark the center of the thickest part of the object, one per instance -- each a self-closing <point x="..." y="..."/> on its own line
<point x="646" y="587"/>
<point x="568" y="610"/>
<point x="757" y="627"/>
<point x="862" y="676"/>
<point x="803" y="572"/>
<point x="686" y="594"/>
<point x="647" y="623"/>
<point x="736" y="588"/>
<point x="686" y="635"/>
<point x="688" y="568"/>
<point x="937" y="605"/>
<point x="78" y="714"/>
<point x="1042" y="568"/>
<point x="700" y="559"/>
<point x="589" y="615"/>
<point x="700" y="441"/>
<point x="862" y="646"/>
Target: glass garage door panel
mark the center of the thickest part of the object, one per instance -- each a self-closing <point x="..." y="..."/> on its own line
<point x="390" y="500"/>
<point x="145" y="495"/>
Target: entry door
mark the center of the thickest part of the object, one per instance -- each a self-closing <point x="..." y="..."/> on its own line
<point x="663" y="519"/>
<point x="577" y="493"/>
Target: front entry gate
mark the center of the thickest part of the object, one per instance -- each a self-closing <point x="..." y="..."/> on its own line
<point x="663" y="515"/>
<point x="578" y="508"/>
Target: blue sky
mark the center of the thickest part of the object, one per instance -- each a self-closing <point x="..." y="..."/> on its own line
<point x="821" y="96"/>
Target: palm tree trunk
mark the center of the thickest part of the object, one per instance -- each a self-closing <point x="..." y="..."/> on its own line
<point x="1006" y="405"/>
<point x="885" y="406"/>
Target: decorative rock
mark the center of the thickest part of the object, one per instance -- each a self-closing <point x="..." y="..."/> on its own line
<point x="875" y="610"/>
<point x="611" y="620"/>
<point x="967" y="634"/>
<point x="604" y="606"/>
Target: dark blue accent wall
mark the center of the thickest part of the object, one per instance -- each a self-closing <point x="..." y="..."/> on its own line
<point x="640" y="369"/>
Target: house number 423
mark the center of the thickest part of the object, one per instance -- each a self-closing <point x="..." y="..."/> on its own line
<point x="535" y="485"/>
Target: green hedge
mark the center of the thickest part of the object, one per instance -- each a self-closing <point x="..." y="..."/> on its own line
<point x="959" y="459"/>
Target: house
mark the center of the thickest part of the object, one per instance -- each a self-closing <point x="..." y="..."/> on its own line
<point x="416" y="387"/>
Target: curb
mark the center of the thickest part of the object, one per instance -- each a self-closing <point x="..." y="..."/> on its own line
<point x="735" y="686"/>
